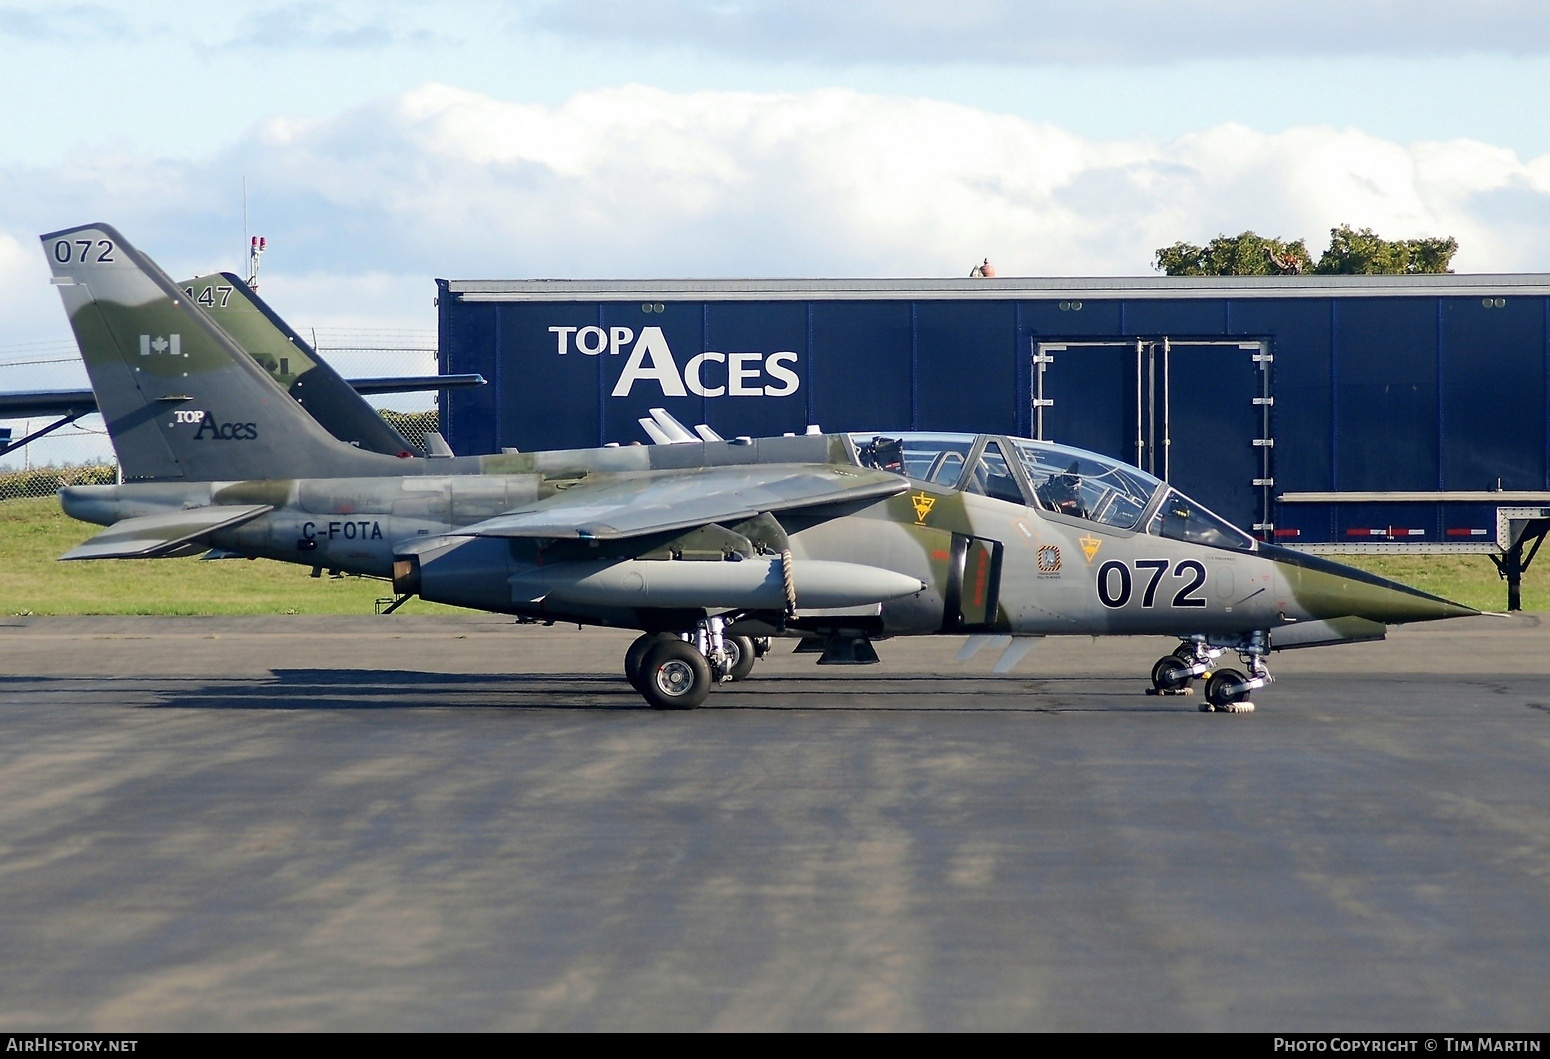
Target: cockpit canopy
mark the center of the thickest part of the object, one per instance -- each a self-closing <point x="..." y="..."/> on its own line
<point x="1057" y="480"/>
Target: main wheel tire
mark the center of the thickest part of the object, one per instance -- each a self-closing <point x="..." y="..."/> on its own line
<point x="1169" y="674"/>
<point x="741" y="653"/>
<point x="637" y="655"/>
<point x="1225" y="687"/>
<point x="674" y="676"/>
<point x="1185" y="652"/>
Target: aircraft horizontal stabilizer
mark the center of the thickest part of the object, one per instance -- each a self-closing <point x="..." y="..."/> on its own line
<point x="163" y="536"/>
<point x="676" y="500"/>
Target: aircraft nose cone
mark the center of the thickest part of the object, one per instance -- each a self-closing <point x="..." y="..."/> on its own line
<point x="1325" y="589"/>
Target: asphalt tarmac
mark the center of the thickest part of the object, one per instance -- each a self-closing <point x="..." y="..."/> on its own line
<point x="418" y="823"/>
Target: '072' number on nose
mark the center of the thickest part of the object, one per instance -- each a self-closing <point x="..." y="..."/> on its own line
<point x="1116" y="584"/>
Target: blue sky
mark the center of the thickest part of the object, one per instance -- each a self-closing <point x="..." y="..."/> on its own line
<point x="385" y="144"/>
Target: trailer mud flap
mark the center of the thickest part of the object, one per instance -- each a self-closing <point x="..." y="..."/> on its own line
<point x="973" y="584"/>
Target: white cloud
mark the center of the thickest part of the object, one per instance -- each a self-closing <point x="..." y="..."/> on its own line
<point x="822" y="32"/>
<point x="362" y="209"/>
<point x="20" y="268"/>
<point x="288" y="26"/>
<point x="62" y="22"/>
<point x="637" y="181"/>
<point x="1064" y="31"/>
<point x="31" y="319"/>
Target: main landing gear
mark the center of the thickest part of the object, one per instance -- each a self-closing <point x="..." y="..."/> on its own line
<point x="1226" y="690"/>
<point x="676" y="672"/>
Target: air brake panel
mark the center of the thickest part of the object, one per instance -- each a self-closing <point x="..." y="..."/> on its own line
<point x="974" y="584"/>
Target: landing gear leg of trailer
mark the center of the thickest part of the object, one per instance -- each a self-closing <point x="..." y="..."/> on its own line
<point x="1512" y="563"/>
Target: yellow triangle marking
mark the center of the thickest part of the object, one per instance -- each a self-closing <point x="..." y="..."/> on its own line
<point x="923" y="505"/>
<point x="1090" y="546"/>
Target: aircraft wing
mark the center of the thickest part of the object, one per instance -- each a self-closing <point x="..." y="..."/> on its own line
<point x="672" y="500"/>
<point x="62" y="402"/>
<point x="161" y="536"/>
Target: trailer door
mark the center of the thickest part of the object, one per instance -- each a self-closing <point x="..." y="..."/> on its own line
<point x="1193" y="412"/>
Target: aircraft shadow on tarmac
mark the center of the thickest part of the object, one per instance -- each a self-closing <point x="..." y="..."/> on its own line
<point x="393" y="689"/>
<point x="398" y="689"/>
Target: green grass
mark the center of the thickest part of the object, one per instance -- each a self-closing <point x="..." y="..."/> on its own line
<point x="34" y="532"/>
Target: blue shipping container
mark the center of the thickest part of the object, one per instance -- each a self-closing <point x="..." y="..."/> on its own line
<point x="1377" y="412"/>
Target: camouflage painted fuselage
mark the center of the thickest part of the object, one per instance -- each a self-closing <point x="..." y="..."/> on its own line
<point x="987" y="565"/>
<point x="218" y="449"/>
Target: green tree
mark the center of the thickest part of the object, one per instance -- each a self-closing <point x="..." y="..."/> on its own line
<point x="1364" y="253"/>
<point x="1351" y="253"/>
<point x="1245" y="254"/>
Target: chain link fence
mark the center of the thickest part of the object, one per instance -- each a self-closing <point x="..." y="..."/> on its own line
<point x="46" y="481"/>
<point x="414" y="426"/>
<point x="81" y="453"/>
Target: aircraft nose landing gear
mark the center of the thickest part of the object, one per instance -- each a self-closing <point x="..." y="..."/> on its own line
<point x="1227" y="690"/>
<point x="1174" y="673"/>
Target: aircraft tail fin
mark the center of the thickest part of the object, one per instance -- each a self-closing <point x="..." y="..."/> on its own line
<point x="181" y="399"/>
<point x="294" y="364"/>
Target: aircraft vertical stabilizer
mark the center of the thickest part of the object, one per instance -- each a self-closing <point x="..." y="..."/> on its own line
<point x="180" y="398"/>
<point x="294" y="364"/>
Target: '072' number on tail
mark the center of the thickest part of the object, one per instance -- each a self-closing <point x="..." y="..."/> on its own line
<point x="84" y="251"/>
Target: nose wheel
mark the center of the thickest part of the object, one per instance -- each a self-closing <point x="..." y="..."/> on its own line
<point x="1227" y="690"/>
<point x="1174" y="674"/>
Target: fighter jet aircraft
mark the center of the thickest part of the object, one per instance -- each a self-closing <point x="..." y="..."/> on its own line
<point x="706" y="548"/>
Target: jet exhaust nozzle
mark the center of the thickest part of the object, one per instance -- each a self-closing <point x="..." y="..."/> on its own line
<point x="91" y="503"/>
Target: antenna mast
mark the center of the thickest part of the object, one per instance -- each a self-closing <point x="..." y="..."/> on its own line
<point x="257" y="244"/>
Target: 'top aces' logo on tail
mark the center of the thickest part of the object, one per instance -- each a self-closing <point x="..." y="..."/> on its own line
<point x="651" y="359"/>
<point x="208" y="429"/>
